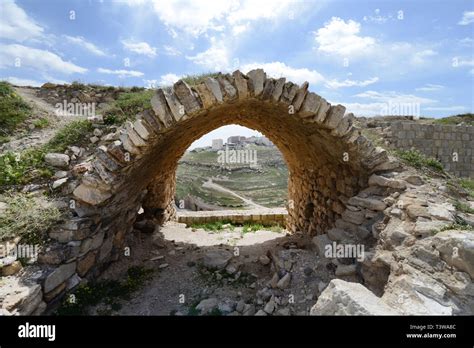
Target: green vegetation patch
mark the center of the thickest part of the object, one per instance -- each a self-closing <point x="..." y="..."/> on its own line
<point x="227" y="225"/>
<point x="463" y="207"/>
<point x="74" y="133"/>
<point x="468" y="119"/>
<point x="457" y="226"/>
<point x="109" y="292"/>
<point x="128" y="105"/>
<point x="41" y="123"/>
<point x="19" y="168"/>
<point x="468" y="185"/>
<point x="13" y="110"/>
<point x="194" y="80"/>
<point x="28" y="218"/>
<point x="418" y="160"/>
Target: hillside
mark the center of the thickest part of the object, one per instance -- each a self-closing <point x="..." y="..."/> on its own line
<point x="265" y="184"/>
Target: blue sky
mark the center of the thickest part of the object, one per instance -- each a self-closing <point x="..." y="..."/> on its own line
<point x="362" y="54"/>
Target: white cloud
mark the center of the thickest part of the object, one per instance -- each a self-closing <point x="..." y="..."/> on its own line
<point x="199" y="17"/>
<point x="239" y="29"/>
<point x="15" y="23"/>
<point x="420" y="57"/>
<point x="21" y="82"/>
<point x="37" y="59"/>
<point x="467" y="18"/>
<point x="216" y="58"/>
<point x="251" y="10"/>
<point x="80" y="41"/>
<point x="394" y="97"/>
<point x="300" y="75"/>
<point x="279" y="69"/>
<point x="142" y="48"/>
<point x="429" y="87"/>
<point x="171" y="51"/>
<point x="194" y="17"/>
<point x="342" y="38"/>
<point x="121" y="73"/>
<point x="351" y="83"/>
<point x="168" y="79"/>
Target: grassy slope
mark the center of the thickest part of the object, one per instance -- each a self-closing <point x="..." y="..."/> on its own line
<point x="266" y="186"/>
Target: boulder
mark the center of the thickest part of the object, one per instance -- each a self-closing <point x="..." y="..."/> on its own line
<point x="207" y="306"/>
<point x="217" y="259"/>
<point x="59" y="160"/>
<point x="369" y="203"/>
<point x="377" y="180"/>
<point x="344" y="298"/>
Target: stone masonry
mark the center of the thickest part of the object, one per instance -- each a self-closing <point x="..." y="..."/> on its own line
<point x="452" y="145"/>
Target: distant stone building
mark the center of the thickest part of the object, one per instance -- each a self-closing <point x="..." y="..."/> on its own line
<point x="236" y="140"/>
<point x="217" y="144"/>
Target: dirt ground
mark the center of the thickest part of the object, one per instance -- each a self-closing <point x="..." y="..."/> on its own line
<point x="182" y="280"/>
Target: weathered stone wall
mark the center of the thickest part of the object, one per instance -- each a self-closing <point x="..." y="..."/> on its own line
<point x="443" y="142"/>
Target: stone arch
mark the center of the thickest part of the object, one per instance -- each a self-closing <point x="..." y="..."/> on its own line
<point x="328" y="159"/>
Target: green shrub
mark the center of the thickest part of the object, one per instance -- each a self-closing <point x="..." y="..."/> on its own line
<point x="26" y="218"/>
<point x="22" y="167"/>
<point x="41" y="123"/>
<point x="13" y="110"/>
<point x="128" y="105"/>
<point x="107" y="291"/>
<point x="418" y="160"/>
<point x="456" y="119"/>
<point x="73" y="133"/>
<point x="468" y="185"/>
<point x="28" y="165"/>
<point x="252" y="228"/>
<point x="463" y="207"/>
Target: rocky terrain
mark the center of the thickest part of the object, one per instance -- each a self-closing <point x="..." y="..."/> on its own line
<point x="406" y="236"/>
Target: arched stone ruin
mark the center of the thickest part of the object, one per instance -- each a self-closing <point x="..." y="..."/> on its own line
<point x="329" y="162"/>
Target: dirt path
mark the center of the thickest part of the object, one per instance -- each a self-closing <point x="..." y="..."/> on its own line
<point x="40" y="109"/>
<point x="212" y="185"/>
